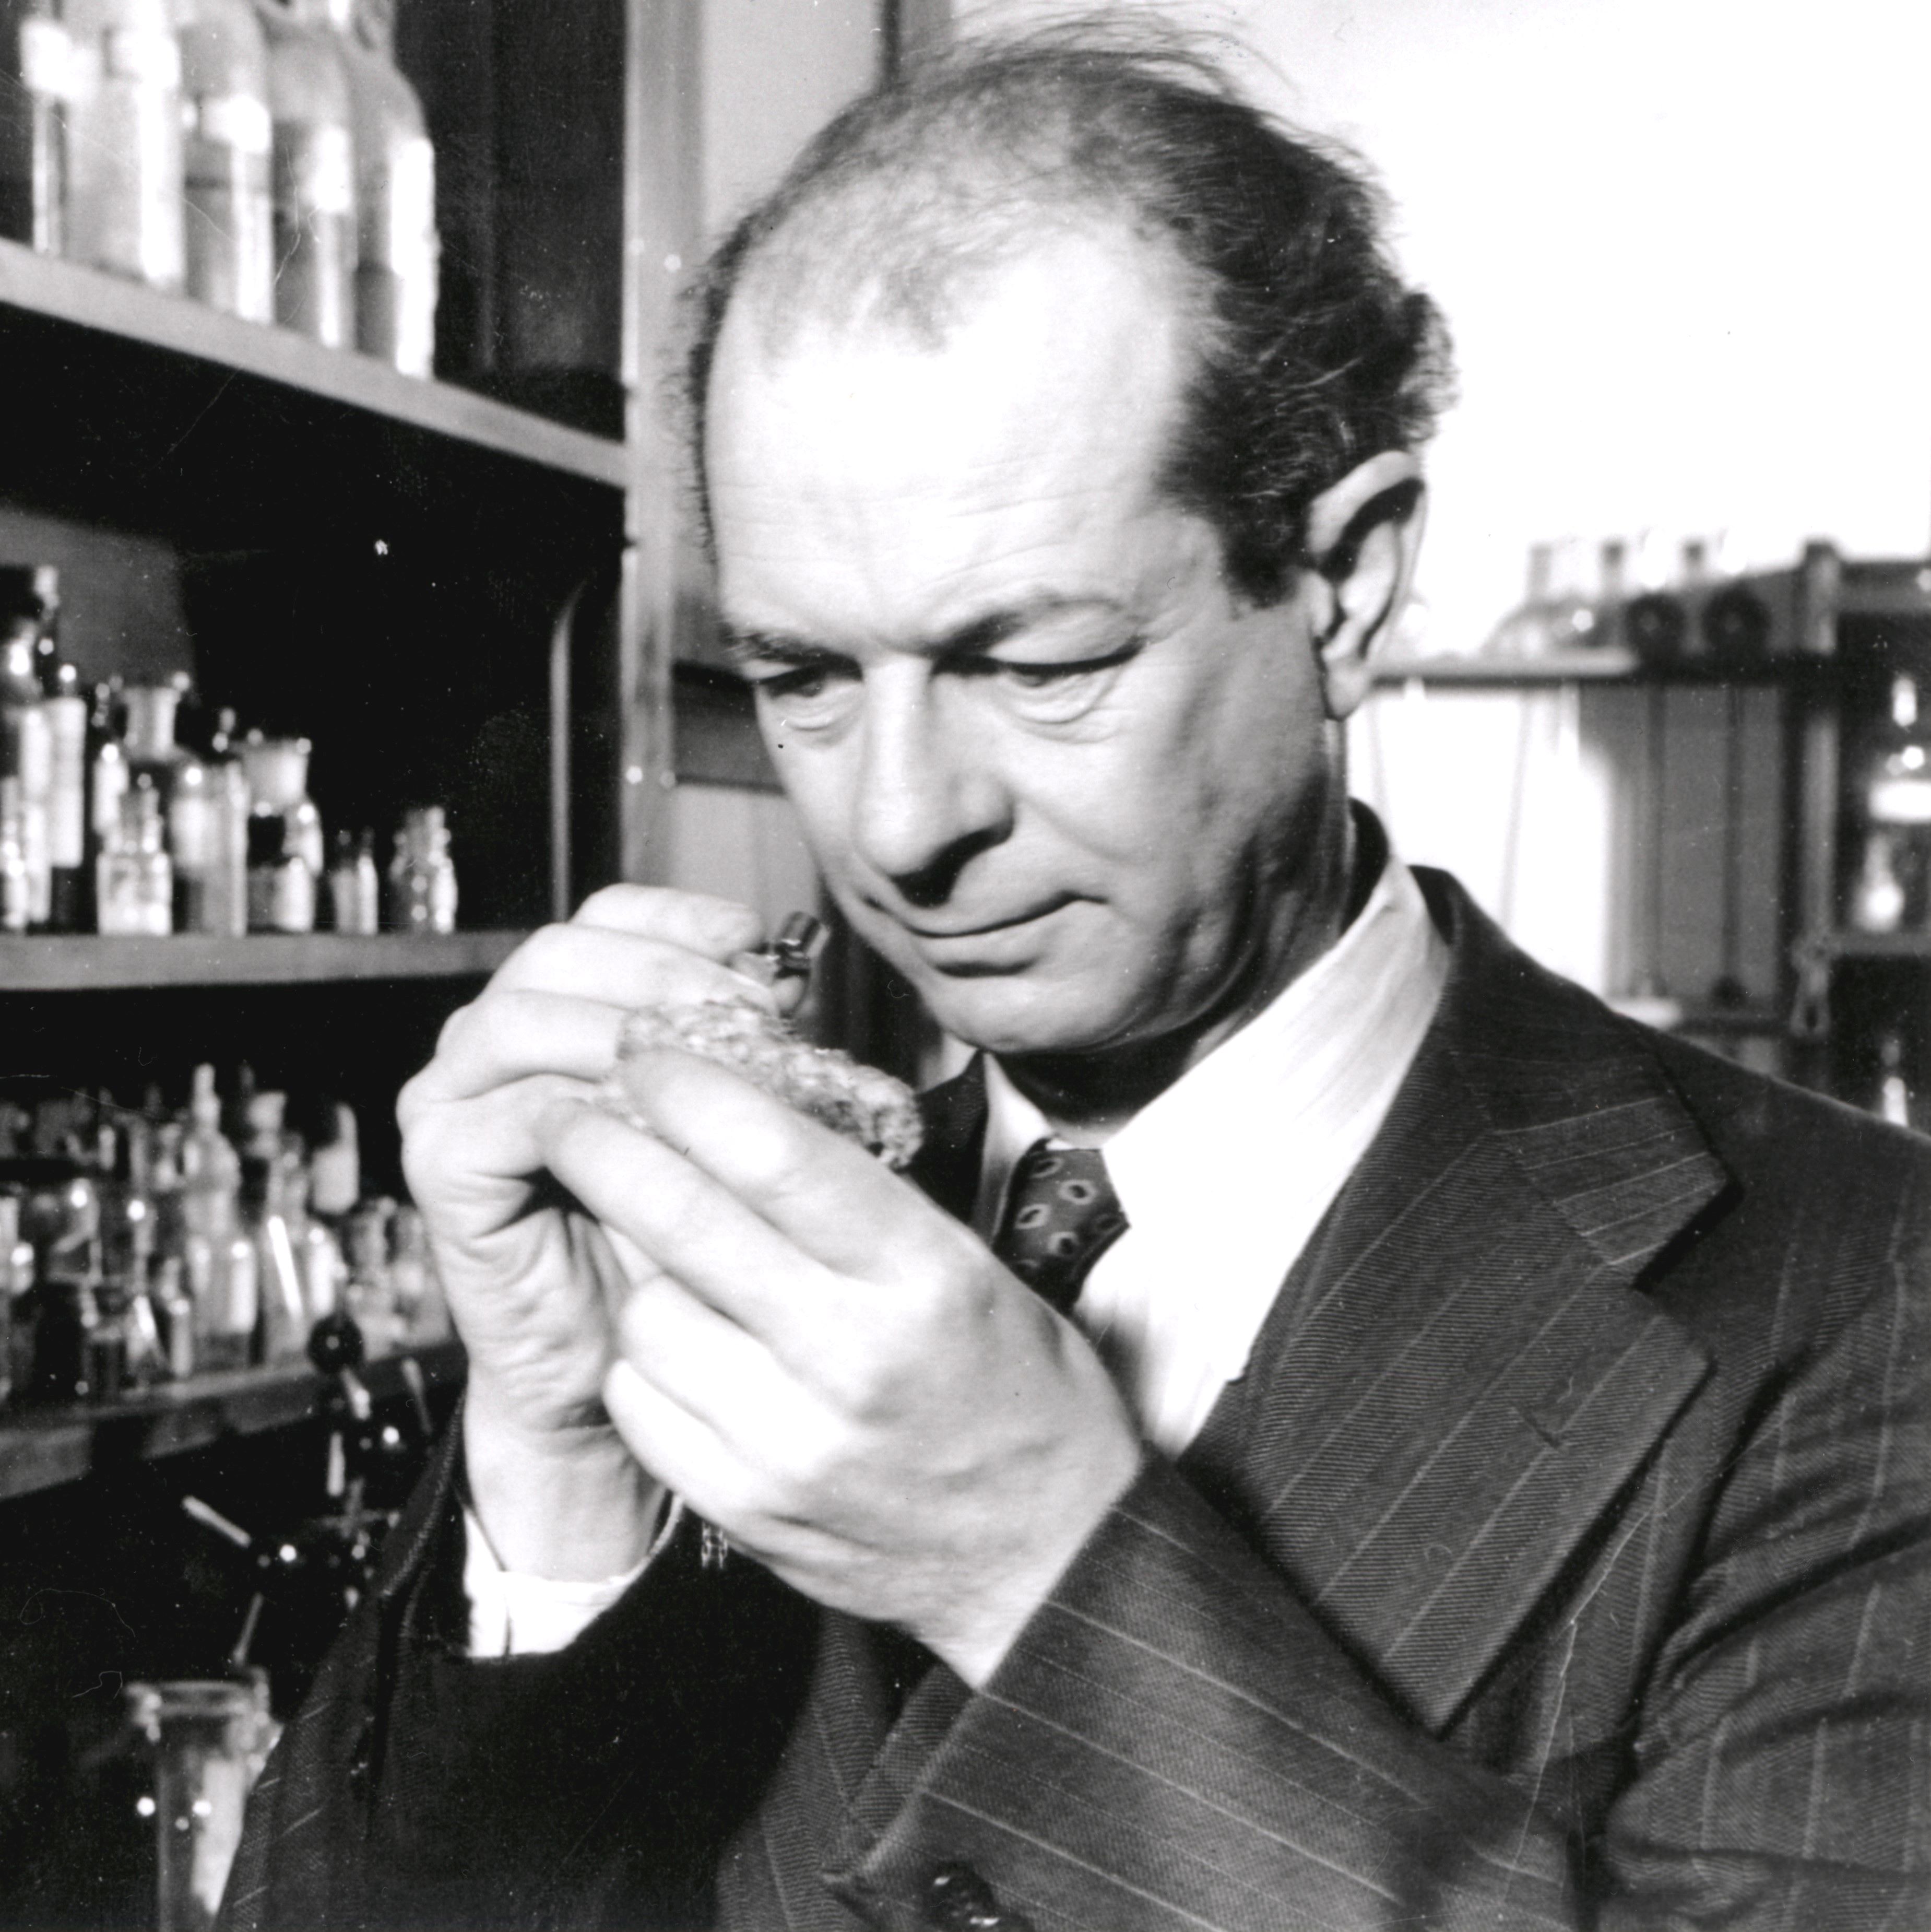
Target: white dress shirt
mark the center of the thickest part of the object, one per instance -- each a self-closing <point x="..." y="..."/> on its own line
<point x="1223" y="1178"/>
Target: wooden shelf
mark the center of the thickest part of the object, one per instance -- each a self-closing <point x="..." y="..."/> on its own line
<point x="1849" y="945"/>
<point x="1569" y="667"/>
<point x="40" y="1450"/>
<point x="151" y="412"/>
<point x="82" y="962"/>
<point x="1612" y="665"/>
<point x="87" y="298"/>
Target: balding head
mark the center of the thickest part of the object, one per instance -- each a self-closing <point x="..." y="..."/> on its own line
<point x="1309" y="355"/>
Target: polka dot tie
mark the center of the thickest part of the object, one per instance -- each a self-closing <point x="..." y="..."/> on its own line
<point x="1061" y="1215"/>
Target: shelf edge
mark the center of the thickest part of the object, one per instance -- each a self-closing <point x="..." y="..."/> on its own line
<point x="41" y="1453"/>
<point x="91" y="298"/>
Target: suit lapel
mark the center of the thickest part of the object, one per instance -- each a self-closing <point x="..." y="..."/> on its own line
<point x="1461" y="1373"/>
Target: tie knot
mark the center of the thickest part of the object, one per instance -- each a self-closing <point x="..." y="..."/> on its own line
<point x="1061" y="1215"/>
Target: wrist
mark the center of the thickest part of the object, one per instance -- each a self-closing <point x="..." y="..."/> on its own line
<point x="974" y="1636"/>
<point x="569" y="1503"/>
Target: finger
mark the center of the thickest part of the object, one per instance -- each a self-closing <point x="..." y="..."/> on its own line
<point x="683" y="1454"/>
<point x="466" y="1152"/>
<point x="619" y="969"/>
<point x="835" y="1202"/>
<point x="705" y="1363"/>
<point x="694" y="921"/>
<point x="508" y="1035"/>
<point x="686" y="1222"/>
<point x="725" y="1486"/>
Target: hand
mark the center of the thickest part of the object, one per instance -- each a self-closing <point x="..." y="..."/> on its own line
<point x="532" y="1281"/>
<point x="837" y="1374"/>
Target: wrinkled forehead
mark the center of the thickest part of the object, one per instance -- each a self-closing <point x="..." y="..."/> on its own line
<point x="1058" y="371"/>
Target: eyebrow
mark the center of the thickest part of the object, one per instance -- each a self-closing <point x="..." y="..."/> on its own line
<point x="743" y="644"/>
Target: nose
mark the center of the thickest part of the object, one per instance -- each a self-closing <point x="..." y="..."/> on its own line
<point x="928" y="796"/>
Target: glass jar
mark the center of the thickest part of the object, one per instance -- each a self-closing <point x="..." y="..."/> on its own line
<point x="16" y="878"/>
<point x="9" y="1241"/>
<point x="206" y="1742"/>
<point x="285" y="855"/>
<point x="134" y="885"/>
<point x="230" y="251"/>
<point x="314" y="172"/>
<point x="354" y="886"/>
<point x="397" y="252"/>
<point x="422" y="876"/>
<point x="124" y="205"/>
<point x="36" y="84"/>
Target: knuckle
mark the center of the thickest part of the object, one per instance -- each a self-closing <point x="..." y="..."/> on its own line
<point x="539" y="953"/>
<point x="410" y="1103"/>
<point x="619" y="899"/>
<point x="455" y="1029"/>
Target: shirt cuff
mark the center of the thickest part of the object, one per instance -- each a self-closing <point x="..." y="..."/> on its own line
<point x="513" y="1615"/>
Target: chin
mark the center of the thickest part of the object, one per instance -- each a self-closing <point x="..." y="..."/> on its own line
<point x="1009" y="1017"/>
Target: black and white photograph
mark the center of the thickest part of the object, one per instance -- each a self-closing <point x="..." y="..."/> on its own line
<point x="965" y="966"/>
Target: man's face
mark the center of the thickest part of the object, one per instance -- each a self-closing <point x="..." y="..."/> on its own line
<point x="1053" y="770"/>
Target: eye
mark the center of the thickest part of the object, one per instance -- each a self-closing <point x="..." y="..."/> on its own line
<point x="808" y="697"/>
<point x="1050" y="693"/>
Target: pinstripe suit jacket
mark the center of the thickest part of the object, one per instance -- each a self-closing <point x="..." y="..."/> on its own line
<point x="1560" y="1560"/>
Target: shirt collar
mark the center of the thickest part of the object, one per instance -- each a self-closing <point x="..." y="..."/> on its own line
<point x="1266" y="1128"/>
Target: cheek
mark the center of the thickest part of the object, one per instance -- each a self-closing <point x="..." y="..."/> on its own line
<point x="816" y="781"/>
<point x="1188" y="781"/>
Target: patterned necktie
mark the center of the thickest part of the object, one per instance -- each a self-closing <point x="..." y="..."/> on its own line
<point x="1061" y="1215"/>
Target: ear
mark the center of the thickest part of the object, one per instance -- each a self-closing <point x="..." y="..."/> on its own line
<point x="1363" y="535"/>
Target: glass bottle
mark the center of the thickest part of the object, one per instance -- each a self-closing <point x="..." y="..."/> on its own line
<point x="174" y="1309"/>
<point x="354" y="886"/>
<point x="125" y="1160"/>
<point x="1893" y="1089"/>
<point x="46" y="643"/>
<point x="314" y="172"/>
<point x="1897" y="798"/>
<point x="395" y="195"/>
<point x="106" y="784"/>
<point x="422" y="876"/>
<point x="370" y="1293"/>
<point x="134" y="885"/>
<point x="150" y="732"/>
<point x="17" y="887"/>
<point x="334" y="1186"/>
<point x="285" y="854"/>
<point x="228" y="805"/>
<point x="194" y="844"/>
<point x="173" y="1304"/>
<point x="272" y="1187"/>
<point x="124" y="204"/>
<point x="206" y="1742"/>
<point x="220" y="1259"/>
<point x="1877" y="899"/>
<point x="36" y="85"/>
<point x="26" y="743"/>
<point x="1555" y="614"/>
<point x="229" y="140"/>
<point x="9" y="1240"/>
<point x="66" y="710"/>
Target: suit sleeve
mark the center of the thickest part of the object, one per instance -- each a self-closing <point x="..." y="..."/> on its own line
<point x="420" y="1787"/>
<point x="1177" y="1742"/>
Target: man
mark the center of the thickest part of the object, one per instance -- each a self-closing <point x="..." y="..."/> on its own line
<point x="1481" y="1483"/>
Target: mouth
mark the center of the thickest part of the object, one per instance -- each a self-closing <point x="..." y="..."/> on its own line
<point x="941" y="935"/>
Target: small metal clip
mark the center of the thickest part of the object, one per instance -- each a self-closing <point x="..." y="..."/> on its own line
<point x="791" y="955"/>
<point x="713" y="1547"/>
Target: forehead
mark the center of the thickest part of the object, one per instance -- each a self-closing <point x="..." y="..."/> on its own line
<point x="860" y="475"/>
